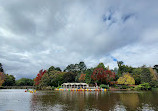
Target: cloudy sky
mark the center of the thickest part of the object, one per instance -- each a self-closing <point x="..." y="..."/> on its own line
<point x="36" y="34"/>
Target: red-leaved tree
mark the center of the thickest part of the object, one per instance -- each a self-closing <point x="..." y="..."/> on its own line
<point x="39" y="76"/>
<point x="100" y="74"/>
<point x="109" y="77"/>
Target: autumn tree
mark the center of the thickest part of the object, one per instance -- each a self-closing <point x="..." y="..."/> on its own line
<point x="82" y="78"/>
<point x="2" y="78"/>
<point x="126" y="79"/>
<point x="39" y="76"/>
<point x="103" y="76"/>
<point x="98" y="74"/>
<point x="109" y="77"/>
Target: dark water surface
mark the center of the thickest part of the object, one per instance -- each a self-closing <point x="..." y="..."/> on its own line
<point x="18" y="100"/>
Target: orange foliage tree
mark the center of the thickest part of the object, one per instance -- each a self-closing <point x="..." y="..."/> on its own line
<point x="2" y="78"/>
<point x="82" y="77"/>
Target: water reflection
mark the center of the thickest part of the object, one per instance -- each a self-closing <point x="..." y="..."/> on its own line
<point x="131" y="101"/>
<point x="67" y="100"/>
<point x="18" y="100"/>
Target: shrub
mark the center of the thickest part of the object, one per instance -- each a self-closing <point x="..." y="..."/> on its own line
<point x="58" y="87"/>
<point x="104" y="86"/>
<point x="53" y="88"/>
<point x="124" y="87"/>
<point x="154" y="84"/>
<point x="144" y="86"/>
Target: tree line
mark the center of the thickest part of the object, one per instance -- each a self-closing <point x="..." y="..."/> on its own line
<point x="98" y="75"/>
<point x="10" y="80"/>
<point x="123" y="75"/>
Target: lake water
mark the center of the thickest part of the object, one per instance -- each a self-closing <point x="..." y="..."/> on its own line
<point x="19" y="100"/>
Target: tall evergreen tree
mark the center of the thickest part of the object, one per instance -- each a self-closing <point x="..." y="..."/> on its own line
<point x="1" y="68"/>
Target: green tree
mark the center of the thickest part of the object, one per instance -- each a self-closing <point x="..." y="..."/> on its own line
<point x="123" y="68"/>
<point x="145" y="75"/>
<point x="101" y="65"/>
<point x="82" y="67"/>
<point x="115" y="70"/>
<point x="57" y="78"/>
<point x="1" y="68"/>
<point x="9" y="80"/>
<point x="69" y="77"/>
<point x="58" y="69"/>
<point x="88" y="75"/>
<point x="156" y="68"/>
<point x="71" y="68"/>
<point x="24" y="82"/>
<point x="52" y="68"/>
<point x="136" y="73"/>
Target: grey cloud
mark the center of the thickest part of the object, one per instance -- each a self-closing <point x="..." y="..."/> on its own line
<point x="37" y="34"/>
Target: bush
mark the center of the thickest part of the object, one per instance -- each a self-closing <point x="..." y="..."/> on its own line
<point x="154" y="84"/>
<point x="144" y="86"/>
<point x="114" y="85"/>
<point x="123" y="87"/>
<point x="104" y="86"/>
<point x="58" y="87"/>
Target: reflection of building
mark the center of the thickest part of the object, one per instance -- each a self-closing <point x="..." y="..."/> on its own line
<point x="75" y="85"/>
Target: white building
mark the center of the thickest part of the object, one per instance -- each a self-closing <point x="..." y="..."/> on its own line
<point x="75" y="85"/>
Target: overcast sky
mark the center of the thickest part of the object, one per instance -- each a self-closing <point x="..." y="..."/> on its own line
<point x="36" y="34"/>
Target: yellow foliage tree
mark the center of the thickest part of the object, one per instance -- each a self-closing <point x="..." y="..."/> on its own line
<point x="153" y="74"/>
<point x="126" y="79"/>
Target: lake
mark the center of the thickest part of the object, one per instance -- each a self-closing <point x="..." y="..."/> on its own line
<point x="19" y="100"/>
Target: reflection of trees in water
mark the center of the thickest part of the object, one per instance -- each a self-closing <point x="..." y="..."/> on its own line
<point x="145" y="100"/>
<point x="75" y="100"/>
<point x="89" y="100"/>
<point x="44" y="101"/>
<point x="130" y="100"/>
<point x="69" y="100"/>
<point x="148" y="99"/>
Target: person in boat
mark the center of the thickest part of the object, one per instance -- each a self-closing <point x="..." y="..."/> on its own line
<point x="27" y="89"/>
